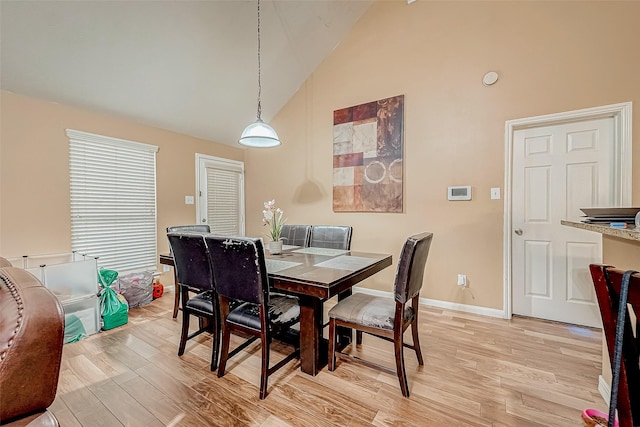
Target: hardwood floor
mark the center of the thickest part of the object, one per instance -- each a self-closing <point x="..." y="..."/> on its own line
<point x="478" y="371"/>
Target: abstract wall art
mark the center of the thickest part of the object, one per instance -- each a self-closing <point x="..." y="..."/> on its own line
<point x="368" y="144"/>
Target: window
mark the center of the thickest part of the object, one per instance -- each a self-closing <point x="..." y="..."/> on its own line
<point x="113" y="201"/>
<point x="220" y="184"/>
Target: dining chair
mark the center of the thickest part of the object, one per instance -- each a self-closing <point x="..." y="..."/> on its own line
<point x="240" y="273"/>
<point x="296" y="235"/>
<point x="191" y="228"/>
<point x="378" y="315"/>
<point x="331" y="236"/>
<point x="193" y="272"/>
<point x="625" y="361"/>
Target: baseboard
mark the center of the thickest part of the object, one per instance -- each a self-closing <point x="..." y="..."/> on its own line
<point x="604" y="388"/>
<point x="474" y="309"/>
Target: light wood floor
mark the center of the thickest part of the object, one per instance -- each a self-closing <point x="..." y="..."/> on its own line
<point x="478" y="371"/>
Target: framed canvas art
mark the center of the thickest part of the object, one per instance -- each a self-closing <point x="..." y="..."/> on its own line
<point x="368" y="144"/>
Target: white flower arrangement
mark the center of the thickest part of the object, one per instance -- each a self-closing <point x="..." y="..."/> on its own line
<point x="273" y="217"/>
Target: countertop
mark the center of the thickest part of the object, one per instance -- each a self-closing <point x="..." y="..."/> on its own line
<point x="623" y="233"/>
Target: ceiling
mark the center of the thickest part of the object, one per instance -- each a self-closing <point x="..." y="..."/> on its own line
<point x="186" y="66"/>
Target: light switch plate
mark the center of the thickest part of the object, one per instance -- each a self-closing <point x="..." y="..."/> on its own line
<point x="188" y="200"/>
<point x="495" y="193"/>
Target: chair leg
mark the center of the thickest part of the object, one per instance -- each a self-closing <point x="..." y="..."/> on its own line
<point x="265" y="342"/>
<point x="215" y="351"/>
<point x="416" y="341"/>
<point x="176" y="302"/>
<point x="224" y="354"/>
<point x="402" y="375"/>
<point x="358" y="338"/>
<point x="414" y="333"/>
<point x="185" y="332"/>
<point x="332" y="344"/>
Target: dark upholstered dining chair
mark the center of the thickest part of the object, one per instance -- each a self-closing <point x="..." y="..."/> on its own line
<point x="190" y="228"/>
<point x="331" y="236"/>
<point x="379" y="316"/>
<point x="193" y="270"/>
<point x="240" y="273"/>
<point x="608" y="285"/>
<point x="296" y="235"/>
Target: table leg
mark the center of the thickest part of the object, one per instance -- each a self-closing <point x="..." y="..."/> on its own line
<point x="313" y="354"/>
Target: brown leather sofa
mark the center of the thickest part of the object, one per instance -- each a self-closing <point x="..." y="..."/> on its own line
<point x="31" y="338"/>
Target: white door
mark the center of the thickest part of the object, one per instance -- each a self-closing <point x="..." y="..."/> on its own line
<point x="220" y="189"/>
<point x="556" y="171"/>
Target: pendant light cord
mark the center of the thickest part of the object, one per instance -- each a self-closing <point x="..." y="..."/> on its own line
<point x="259" y="70"/>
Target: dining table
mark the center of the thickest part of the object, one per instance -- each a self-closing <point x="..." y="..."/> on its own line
<point x="315" y="275"/>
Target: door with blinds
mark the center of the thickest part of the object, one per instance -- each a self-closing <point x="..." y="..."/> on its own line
<point x="220" y="189"/>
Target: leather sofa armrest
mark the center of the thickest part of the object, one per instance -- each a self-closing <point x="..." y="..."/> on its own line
<point x="31" y="339"/>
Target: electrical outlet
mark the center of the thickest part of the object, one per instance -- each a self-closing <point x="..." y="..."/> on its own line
<point x="165" y="268"/>
<point x="188" y="200"/>
<point x="462" y="280"/>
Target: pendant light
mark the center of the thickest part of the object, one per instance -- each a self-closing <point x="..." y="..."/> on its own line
<point x="258" y="133"/>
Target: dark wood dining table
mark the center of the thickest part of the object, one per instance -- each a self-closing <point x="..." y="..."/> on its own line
<point x="315" y="275"/>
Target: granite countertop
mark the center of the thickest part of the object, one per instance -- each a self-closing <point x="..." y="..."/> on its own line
<point x="624" y="233"/>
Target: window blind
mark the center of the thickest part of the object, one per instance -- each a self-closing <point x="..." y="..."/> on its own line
<point x="224" y="193"/>
<point x="113" y="201"/>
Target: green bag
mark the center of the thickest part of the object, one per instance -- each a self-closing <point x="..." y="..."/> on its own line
<point x="73" y="329"/>
<point x="114" y="307"/>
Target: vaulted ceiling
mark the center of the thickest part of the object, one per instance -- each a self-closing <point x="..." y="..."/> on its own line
<point x="186" y="66"/>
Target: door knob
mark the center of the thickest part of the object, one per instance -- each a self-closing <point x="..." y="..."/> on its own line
<point x="204" y="219"/>
<point x="518" y="231"/>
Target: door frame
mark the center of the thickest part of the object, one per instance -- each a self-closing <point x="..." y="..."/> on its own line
<point x="201" y="159"/>
<point x="621" y="113"/>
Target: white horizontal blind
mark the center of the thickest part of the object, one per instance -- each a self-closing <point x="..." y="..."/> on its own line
<point x="113" y="201"/>
<point x="224" y="192"/>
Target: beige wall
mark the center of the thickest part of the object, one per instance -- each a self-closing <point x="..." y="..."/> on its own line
<point x="34" y="171"/>
<point x="551" y="57"/>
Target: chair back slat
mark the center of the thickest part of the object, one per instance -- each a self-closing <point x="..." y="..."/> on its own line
<point x="239" y="268"/>
<point x="410" y="273"/>
<point x="296" y="235"/>
<point x="191" y="260"/>
<point x="331" y="236"/>
<point x="607" y="283"/>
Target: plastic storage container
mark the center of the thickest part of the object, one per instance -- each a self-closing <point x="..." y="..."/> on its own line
<point x="73" y="279"/>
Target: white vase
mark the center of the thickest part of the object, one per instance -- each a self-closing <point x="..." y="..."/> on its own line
<point x="275" y="248"/>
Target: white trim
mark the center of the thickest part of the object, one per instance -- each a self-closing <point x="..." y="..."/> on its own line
<point x="474" y="309"/>
<point x="101" y="139"/>
<point x="604" y="388"/>
<point x="622" y="113"/>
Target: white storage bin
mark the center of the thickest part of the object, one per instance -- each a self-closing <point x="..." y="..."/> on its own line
<point x="70" y="280"/>
<point x="73" y="279"/>
<point x="70" y="276"/>
<point x="87" y="310"/>
<point x="31" y="261"/>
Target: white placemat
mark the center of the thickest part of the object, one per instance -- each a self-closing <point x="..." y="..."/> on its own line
<point x="275" y="265"/>
<point x="287" y="247"/>
<point x="351" y="263"/>
<point x="321" y="251"/>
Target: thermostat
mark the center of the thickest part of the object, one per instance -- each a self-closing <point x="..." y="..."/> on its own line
<point x="460" y="193"/>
